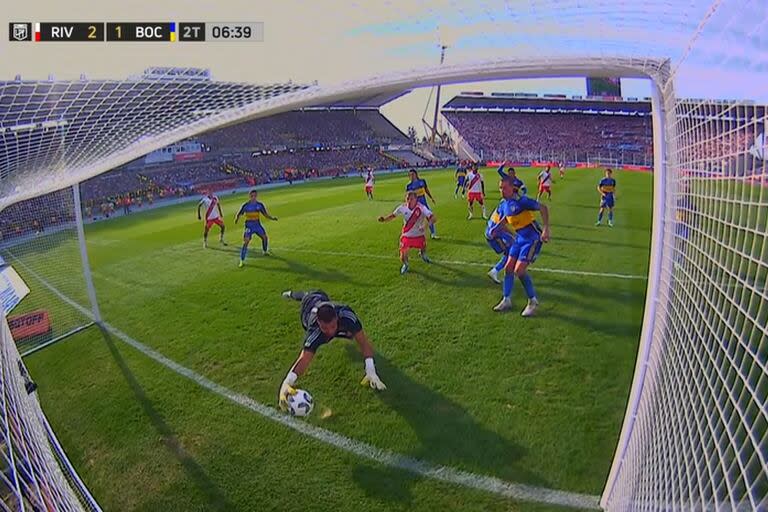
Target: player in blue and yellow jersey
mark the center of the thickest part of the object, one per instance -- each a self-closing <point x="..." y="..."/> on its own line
<point x="461" y="175"/>
<point x="517" y="212"/>
<point x="518" y="183"/>
<point x="499" y="239"/>
<point x="419" y="186"/>
<point x="253" y="210"/>
<point x="607" y="189"/>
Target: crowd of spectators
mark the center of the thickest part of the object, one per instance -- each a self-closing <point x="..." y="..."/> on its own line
<point x="564" y="137"/>
<point x="37" y="215"/>
<point x="304" y="129"/>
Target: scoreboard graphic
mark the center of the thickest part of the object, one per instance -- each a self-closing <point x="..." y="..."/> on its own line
<point x="153" y="32"/>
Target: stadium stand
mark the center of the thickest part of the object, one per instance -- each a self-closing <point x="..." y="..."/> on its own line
<point x="525" y="129"/>
<point x="307" y="129"/>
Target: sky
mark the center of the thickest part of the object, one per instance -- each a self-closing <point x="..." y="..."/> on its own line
<point x="717" y="50"/>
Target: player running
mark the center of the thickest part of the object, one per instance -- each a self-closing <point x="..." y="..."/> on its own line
<point x="475" y="192"/>
<point x="369" y="181"/>
<point x="323" y="321"/>
<point x="545" y="184"/>
<point x="419" y="186"/>
<point x="415" y="215"/>
<point x="213" y="215"/>
<point x="517" y="212"/>
<point x="253" y="210"/>
<point x="517" y="182"/>
<point x="461" y="175"/>
<point x="562" y="170"/>
<point x="607" y="189"/>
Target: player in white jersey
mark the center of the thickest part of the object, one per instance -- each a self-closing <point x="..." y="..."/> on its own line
<point x="545" y="184"/>
<point x="213" y="215"/>
<point x="369" y="181"/>
<point x="562" y="170"/>
<point x="475" y="187"/>
<point x="415" y="217"/>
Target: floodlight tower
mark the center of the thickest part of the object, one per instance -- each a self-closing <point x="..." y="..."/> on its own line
<point x="443" y="47"/>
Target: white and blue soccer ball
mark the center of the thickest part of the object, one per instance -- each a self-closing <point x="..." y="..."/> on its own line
<point x="300" y="404"/>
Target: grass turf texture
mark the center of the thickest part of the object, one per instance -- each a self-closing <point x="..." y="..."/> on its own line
<point x="537" y="401"/>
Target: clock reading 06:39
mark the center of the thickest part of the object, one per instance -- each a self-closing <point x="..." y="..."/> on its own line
<point x="234" y="31"/>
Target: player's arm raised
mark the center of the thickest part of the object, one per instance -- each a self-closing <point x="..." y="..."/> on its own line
<point x="366" y="348"/>
<point x="500" y="170"/>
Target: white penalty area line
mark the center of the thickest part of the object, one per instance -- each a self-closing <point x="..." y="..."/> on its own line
<point x="533" y="268"/>
<point x="515" y="491"/>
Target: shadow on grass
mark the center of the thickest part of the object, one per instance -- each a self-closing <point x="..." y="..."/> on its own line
<point x="292" y="266"/>
<point x="460" y="278"/>
<point x="215" y="499"/>
<point x="448" y="435"/>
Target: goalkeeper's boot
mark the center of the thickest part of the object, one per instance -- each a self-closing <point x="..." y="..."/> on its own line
<point x="494" y="275"/>
<point x="404" y="269"/>
<point x="287" y="294"/>
<point x="530" y="308"/>
<point x="504" y="305"/>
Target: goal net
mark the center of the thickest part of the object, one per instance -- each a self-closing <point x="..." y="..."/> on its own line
<point x="695" y="430"/>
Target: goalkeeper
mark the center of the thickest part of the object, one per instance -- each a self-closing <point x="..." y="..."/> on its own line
<point x="323" y="321"/>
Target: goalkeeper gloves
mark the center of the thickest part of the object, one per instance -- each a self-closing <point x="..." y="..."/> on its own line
<point x="286" y="389"/>
<point x="371" y="378"/>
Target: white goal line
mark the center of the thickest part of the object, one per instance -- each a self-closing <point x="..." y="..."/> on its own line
<point x="515" y="491"/>
<point x="534" y="268"/>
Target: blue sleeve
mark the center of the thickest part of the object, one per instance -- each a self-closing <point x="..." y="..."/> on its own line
<point x="528" y="204"/>
<point x="501" y="172"/>
<point x="242" y="209"/>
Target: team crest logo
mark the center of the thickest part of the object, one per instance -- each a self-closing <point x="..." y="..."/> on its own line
<point x="20" y="31"/>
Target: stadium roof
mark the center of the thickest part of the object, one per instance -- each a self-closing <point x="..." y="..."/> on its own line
<point x="368" y="101"/>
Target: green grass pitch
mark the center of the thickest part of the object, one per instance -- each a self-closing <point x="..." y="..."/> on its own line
<point x="537" y="401"/>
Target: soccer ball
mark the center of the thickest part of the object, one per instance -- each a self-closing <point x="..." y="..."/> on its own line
<point x="300" y="404"/>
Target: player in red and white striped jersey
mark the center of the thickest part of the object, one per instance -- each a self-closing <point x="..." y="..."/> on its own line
<point x="416" y="217"/>
<point x="213" y="215"/>
<point x="545" y="184"/>
<point x="369" y="181"/>
<point x="475" y="187"/>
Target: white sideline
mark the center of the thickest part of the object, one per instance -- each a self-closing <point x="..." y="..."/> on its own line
<point x="471" y="263"/>
<point x="446" y="474"/>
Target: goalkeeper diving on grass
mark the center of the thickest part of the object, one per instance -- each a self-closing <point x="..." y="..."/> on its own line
<point x="324" y="320"/>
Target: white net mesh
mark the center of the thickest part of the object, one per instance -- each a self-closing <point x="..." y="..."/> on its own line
<point x="35" y="474"/>
<point x="39" y="239"/>
<point x="695" y="432"/>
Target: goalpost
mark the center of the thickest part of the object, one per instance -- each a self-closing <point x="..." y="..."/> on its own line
<point x="695" y="431"/>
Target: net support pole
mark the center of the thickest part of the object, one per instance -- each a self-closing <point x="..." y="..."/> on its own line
<point x="650" y="319"/>
<point x="84" y="254"/>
